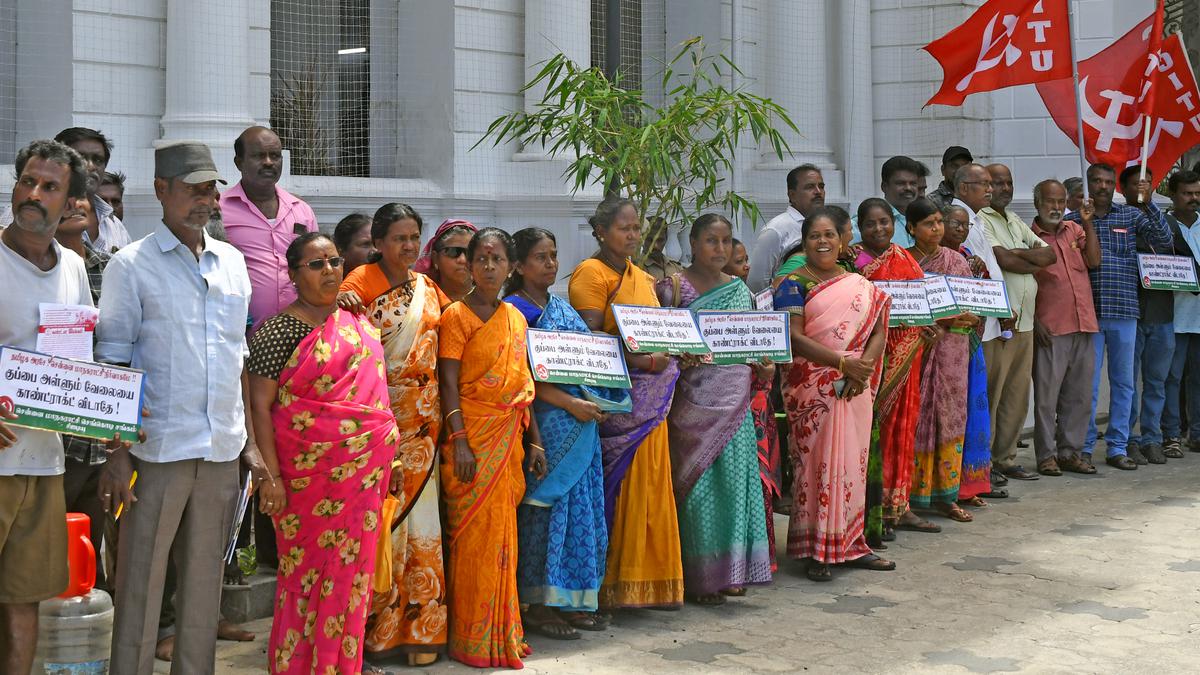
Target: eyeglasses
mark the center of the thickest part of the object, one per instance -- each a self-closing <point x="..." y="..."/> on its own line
<point x="319" y="264"/>
<point x="453" y="251"/>
<point x="974" y="182"/>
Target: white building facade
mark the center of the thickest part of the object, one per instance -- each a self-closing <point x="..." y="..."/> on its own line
<point x="382" y="100"/>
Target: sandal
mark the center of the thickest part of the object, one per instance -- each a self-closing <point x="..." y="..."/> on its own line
<point x="546" y="622"/>
<point x="871" y="561"/>
<point x="818" y="572"/>
<point x="1076" y="464"/>
<point x="909" y="521"/>
<point x="709" y="599"/>
<point x="420" y="660"/>
<point x="371" y="669"/>
<point x="996" y="493"/>
<point x="975" y="501"/>
<point x="889" y="532"/>
<point x="954" y="512"/>
<point x="739" y="592"/>
<point x="584" y="620"/>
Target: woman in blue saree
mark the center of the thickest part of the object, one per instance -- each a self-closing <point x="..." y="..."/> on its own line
<point x="714" y="447"/>
<point x="562" y="535"/>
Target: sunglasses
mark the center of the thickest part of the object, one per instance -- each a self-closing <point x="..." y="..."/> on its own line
<point x="453" y="251"/>
<point x="319" y="264"/>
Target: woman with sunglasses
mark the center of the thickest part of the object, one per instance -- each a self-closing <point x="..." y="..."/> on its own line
<point x="405" y="306"/>
<point x="318" y="398"/>
<point x="444" y="258"/>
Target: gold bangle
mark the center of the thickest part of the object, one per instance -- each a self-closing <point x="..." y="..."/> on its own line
<point x="535" y="445"/>
<point x="456" y="410"/>
<point x="841" y="364"/>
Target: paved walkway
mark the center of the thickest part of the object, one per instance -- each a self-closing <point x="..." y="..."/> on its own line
<point x="1074" y="574"/>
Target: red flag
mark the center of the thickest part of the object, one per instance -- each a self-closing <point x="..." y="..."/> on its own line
<point x="1004" y="43"/>
<point x="1175" y="117"/>
<point x="1115" y="91"/>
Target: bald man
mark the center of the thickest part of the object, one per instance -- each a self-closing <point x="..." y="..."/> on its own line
<point x="1020" y="254"/>
<point x="261" y="219"/>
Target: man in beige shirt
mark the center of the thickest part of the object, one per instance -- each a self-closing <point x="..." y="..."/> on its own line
<point x="1020" y="254"/>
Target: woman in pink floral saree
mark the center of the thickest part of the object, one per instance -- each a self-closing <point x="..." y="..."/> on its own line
<point x="839" y="329"/>
<point x="322" y="422"/>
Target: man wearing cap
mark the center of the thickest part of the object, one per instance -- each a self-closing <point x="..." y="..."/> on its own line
<point x="955" y="157"/>
<point x="174" y="304"/>
<point x="261" y="219"/>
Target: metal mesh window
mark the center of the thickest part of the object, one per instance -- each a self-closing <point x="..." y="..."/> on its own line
<point x="321" y="85"/>
<point x="631" y="39"/>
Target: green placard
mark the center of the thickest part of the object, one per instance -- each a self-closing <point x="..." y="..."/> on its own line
<point x="1167" y="272"/>
<point x="565" y="357"/>
<point x="910" y="305"/>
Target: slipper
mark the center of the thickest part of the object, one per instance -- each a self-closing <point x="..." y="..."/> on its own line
<point x="954" y="512"/>
<point x="917" y="525"/>
<point x="421" y="659"/>
<point x="996" y="493"/>
<point x="889" y="533"/>
<point x="708" y="599"/>
<point x="975" y="501"/>
<point x="739" y="592"/>
<point x="545" y="629"/>
<point x="584" y="621"/>
<point x="871" y="561"/>
<point x="371" y="669"/>
<point x="818" y="572"/>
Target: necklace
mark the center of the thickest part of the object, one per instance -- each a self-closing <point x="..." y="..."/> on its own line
<point x="813" y="273"/>
<point x="603" y="256"/>
<point x="924" y="255"/>
<point x="530" y="298"/>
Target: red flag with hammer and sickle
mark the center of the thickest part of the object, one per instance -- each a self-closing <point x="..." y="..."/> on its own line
<point x="1138" y="77"/>
<point x="1003" y="44"/>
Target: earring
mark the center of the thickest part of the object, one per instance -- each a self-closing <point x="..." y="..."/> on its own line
<point x="601" y="239"/>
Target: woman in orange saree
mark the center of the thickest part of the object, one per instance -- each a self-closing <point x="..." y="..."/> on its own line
<point x="410" y="615"/>
<point x="838" y="329"/>
<point x="320" y="415"/>
<point x="486" y="391"/>
<point x="645" y="567"/>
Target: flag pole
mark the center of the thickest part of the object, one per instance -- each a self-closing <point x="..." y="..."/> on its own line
<point x="1146" y="120"/>
<point x="1078" y="102"/>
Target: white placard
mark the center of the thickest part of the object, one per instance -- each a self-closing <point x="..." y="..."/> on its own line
<point x="659" y="329"/>
<point x="565" y="357"/>
<point x="910" y="306"/>
<point x="747" y="337"/>
<point x="764" y="300"/>
<point x="985" y="297"/>
<point x="66" y="330"/>
<point x="1167" y="272"/>
<point x="941" y="300"/>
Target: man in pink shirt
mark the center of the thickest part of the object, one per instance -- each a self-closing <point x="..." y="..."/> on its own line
<point x="261" y="220"/>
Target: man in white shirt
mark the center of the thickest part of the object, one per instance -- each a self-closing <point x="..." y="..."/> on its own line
<point x="806" y="191"/>
<point x="34" y="269"/>
<point x="175" y="305"/>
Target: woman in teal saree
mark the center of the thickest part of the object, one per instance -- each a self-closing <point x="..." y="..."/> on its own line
<point x="714" y="446"/>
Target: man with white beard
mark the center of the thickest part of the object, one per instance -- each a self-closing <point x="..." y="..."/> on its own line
<point x="1064" y="323"/>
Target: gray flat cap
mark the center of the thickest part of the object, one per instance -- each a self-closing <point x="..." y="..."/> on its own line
<point x="189" y="161"/>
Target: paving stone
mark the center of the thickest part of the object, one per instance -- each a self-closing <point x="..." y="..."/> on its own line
<point x="855" y="604"/>
<point x="701" y="652"/>
<point x="973" y="662"/>
<point x="1086" y="530"/>
<point x="974" y="563"/>
<point x="1103" y="611"/>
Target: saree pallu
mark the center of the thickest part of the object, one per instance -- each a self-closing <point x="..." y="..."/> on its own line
<point x="335" y="438"/>
<point x="943" y="410"/>
<point x="831" y="435"/>
<point x="896" y="404"/>
<point x="977" y="436"/>
<point x="769" y="464"/>
<point x="714" y="457"/>
<point x="411" y="615"/>
<point x="496" y="392"/>
<point x="560" y="524"/>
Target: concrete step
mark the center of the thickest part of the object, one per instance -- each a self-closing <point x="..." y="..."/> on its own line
<point x="254" y="600"/>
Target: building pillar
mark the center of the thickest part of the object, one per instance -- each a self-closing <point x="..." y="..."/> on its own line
<point x="797" y="64"/>
<point x="551" y="27"/>
<point x="208" y="73"/>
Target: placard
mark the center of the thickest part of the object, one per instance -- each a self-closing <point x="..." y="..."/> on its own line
<point x="565" y="357"/>
<point x="1167" y="272"/>
<point x="985" y="297"/>
<point x="746" y="337"/>
<point x="74" y="397"/>
<point x="941" y="300"/>
<point x="659" y="329"/>
<point x="764" y="300"/>
<point x="910" y="306"/>
<point x="66" y="330"/>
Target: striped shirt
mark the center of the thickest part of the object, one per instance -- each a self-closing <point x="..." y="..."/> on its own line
<point x="1115" y="283"/>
